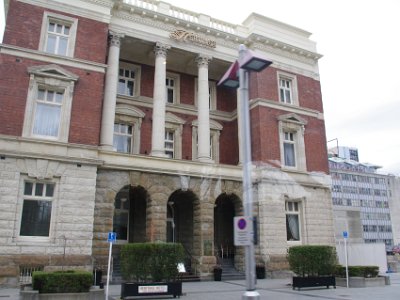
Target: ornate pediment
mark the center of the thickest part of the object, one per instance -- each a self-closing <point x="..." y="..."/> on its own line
<point x="53" y="71"/>
<point x="292" y="118"/>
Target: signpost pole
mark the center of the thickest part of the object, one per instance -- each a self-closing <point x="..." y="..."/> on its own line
<point x="345" y="235"/>
<point x="111" y="238"/>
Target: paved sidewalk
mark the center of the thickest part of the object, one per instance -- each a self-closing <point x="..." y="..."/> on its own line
<point x="279" y="289"/>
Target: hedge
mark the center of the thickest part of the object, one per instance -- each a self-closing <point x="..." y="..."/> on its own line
<point x="358" y="271"/>
<point x="62" y="281"/>
<point x="151" y="262"/>
<point x="312" y="260"/>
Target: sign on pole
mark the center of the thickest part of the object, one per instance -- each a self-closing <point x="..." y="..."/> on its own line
<point x="112" y="238"/>
<point x="345" y="236"/>
<point x="243" y="231"/>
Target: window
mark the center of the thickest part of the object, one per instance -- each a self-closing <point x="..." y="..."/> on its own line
<point x="293" y="221"/>
<point x="49" y="102"/>
<point x="172" y="83"/>
<point x="122" y="138"/>
<point x="212" y="95"/>
<point x="173" y="136"/>
<point x="47" y="112"/>
<point x="170" y="86"/>
<point x="293" y="154"/>
<point x="289" y="149"/>
<point x="287" y="88"/>
<point x="169" y="143"/>
<point x="215" y="131"/>
<point x="128" y="79"/>
<point x="36" y="209"/>
<point x="128" y="120"/>
<point x="58" y="34"/>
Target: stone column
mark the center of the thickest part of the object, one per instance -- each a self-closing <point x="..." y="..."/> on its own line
<point x="159" y="101"/>
<point x="110" y="92"/>
<point x="203" y="135"/>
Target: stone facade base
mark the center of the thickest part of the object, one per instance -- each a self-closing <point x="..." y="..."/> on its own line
<point x="278" y="267"/>
<point x="94" y="294"/>
<point x="359" y="282"/>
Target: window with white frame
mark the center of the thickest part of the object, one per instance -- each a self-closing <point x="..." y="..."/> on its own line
<point x="287" y="88"/>
<point x="215" y="131"/>
<point x="212" y="95"/>
<point x="289" y="151"/>
<point x="128" y="120"/>
<point x="47" y="117"/>
<point x="37" y="209"/>
<point x="172" y="87"/>
<point x="128" y="79"/>
<point x="49" y="102"/>
<point x="169" y="143"/>
<point x="293" y="226"/>
<point x="173" y="136"/>
<point x="58" y="34"/>
<point x="122" y="141"/>
<point x="293" y="154"/>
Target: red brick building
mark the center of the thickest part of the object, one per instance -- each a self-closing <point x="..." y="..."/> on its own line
<point x="112" y="120"/>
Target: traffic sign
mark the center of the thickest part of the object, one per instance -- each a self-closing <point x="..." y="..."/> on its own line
<point x="345" y="234"/>
<point x="112" y="237"/>
<point x="243" y="231"/>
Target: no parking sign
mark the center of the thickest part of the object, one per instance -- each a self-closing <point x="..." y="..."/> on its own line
<point x="243" y="231"/>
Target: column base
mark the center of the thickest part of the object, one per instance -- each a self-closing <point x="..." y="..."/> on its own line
<point x="158" y="153"/>
<point x="107" y="148"/>
<point x="205" y="160"/>
<point x="251" y="295"/>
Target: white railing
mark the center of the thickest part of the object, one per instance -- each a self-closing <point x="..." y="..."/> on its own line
<point x="183" y="14"/>
<point x="25" y="273"/>
<point x="146" y="4"/>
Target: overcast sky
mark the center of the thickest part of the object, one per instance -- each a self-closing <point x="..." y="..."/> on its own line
<point x="359" y="70"/>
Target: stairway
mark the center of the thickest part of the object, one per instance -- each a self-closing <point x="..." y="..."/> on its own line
<point x="229" y="271"/>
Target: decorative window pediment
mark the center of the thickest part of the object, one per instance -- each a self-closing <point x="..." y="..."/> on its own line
<point x="292" y="118"/>
<point x="53" y="71"/>
<point x="171" y="118"/>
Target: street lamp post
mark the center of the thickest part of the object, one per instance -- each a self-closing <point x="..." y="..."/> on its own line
<point x="247" y="62"/>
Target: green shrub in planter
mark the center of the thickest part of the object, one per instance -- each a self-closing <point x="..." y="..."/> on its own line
<point x="312" y="260"/>
<point x="62" y="281"/>
<point x="151" y="262"/>
<point x="358" y="271"/>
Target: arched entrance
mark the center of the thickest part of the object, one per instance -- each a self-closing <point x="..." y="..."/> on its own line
<point x="180" y="223"/>
<point x="129" y="221"/>
<point x="226" y="207"/>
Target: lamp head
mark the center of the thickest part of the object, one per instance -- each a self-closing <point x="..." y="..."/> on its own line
<point x="252" y="61"/>
<point x="231" y="78"/>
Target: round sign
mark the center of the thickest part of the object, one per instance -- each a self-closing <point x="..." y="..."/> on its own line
<point x="242" y="224"/>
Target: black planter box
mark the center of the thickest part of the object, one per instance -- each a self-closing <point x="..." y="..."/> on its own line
<point x="217" y="274"/>
<point x="132" y="289"/>
<point x="300" y="282"/>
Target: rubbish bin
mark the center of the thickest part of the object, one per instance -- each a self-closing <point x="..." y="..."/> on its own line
<point x="97" y="274"/>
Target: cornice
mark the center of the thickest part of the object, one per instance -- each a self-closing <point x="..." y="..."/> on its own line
<point x="52" y="59"/>
<point x="287" y="108"/>
<point x="102" y="15"/>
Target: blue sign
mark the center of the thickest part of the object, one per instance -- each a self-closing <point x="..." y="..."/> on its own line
<point x="345" y="234"/>
<point x="112" y="237"/>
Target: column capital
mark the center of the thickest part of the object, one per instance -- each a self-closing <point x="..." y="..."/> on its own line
<point x="203" y="60"/>
<point x="161" y="49"/>
<point x="115" y="38"/>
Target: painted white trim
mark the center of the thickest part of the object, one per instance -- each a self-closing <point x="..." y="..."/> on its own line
<point x="52" y="59"/>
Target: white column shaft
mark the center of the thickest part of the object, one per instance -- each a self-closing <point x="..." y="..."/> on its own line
<point x="159" y="101"/>
<point x="110" y="93"/>
<point x="203" y="110"/>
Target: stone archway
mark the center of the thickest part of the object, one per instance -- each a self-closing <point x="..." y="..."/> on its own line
<point x="225" y="209"/>
<point x="129" y="220"/>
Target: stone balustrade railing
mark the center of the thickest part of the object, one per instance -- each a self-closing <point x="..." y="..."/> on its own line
<point x="183" y="14"/>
